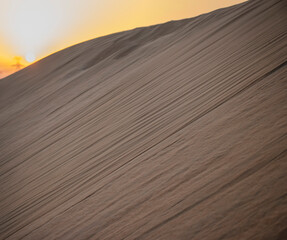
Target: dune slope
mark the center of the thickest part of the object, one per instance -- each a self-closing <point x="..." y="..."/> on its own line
<point x="174" y="131"/>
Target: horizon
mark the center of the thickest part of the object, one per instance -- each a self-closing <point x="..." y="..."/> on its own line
<point x="25" y="41"/>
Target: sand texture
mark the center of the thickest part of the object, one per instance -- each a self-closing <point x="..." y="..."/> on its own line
<point x="173" y="131"/>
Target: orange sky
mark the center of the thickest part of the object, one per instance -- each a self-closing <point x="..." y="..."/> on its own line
<point x="33" y="29"/>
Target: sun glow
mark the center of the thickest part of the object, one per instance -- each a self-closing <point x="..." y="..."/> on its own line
<point x="32" y="25"/>
<point x="34" y="29"/>
<point x="30" y="57"/>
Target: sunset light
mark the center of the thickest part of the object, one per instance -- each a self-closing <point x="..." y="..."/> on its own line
<point x="34" y="29"/>
<point x="143" y="119"/>
<point x="30" y="57"/>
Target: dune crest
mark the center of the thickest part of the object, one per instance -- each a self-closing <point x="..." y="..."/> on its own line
<point x="173" y="131"/>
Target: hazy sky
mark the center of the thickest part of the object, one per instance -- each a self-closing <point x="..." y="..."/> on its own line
<point x="33" y="29"/>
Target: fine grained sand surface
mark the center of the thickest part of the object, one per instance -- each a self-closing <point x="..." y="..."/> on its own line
<point x="174" y="131"/>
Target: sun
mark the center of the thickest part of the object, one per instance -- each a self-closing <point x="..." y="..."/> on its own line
<point x="30" y="57"/>
<point x="33" y="26"/>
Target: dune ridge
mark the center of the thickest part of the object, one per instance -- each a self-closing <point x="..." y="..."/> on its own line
<point x="173" y="131"/>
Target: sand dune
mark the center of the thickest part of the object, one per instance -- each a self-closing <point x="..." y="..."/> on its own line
<point x="174" y="131"/>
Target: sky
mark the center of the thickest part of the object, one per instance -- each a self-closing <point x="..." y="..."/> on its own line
<point x="33" y="29"/>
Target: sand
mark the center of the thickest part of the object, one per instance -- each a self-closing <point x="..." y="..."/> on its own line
<point x="174" y="131"/>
